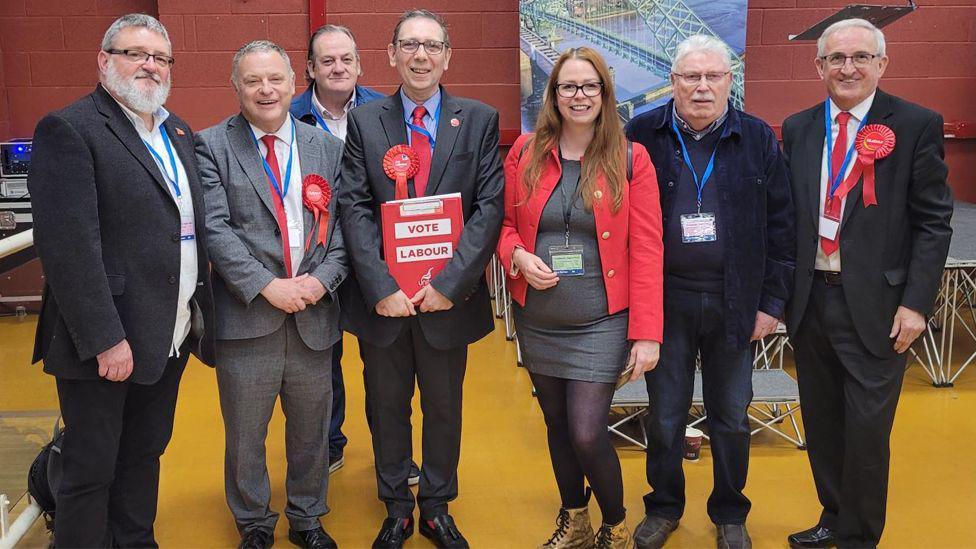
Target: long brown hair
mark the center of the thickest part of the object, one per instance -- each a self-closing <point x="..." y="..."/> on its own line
<point x="605" y="154"/>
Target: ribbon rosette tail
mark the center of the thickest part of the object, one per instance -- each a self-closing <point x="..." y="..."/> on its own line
<point x="873" y="143"/>
<point x="316" y="195"/>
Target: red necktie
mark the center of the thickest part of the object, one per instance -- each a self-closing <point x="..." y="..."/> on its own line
<point x="272" y="159"/>
<point x="421" y="145"/>
<point x="832" y="205"/>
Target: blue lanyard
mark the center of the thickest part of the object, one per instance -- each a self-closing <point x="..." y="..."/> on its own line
<point x="835" y="180"/>
<point x="320" y="120"/>
<point x="267" y="168"/>
<point x="175" y="180"/>
<point x="423" y="131"/>
<point x="700" y="185"/>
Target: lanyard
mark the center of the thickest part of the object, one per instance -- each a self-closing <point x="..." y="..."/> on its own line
<point x="567" y="208"/>
<point x="835" y="180"/>
<point x="282" y="190"/>
<point x="175" y="180"/>
<point x="699" y="185"/>
<point x="423" y="131"/>
<point x="320" y="120"/>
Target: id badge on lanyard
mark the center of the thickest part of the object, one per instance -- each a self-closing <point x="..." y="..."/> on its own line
<point x="566" y="260"/>
<point x="187" y="223"/>
<point x="699" y="226"/>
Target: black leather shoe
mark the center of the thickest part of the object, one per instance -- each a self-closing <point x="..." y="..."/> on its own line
<point x="393" y="533"/>
<point x="818" y="536"/>
<point x="443" y="532"/>
<point x="256" y="538"/>
<point x="316" y="538"/>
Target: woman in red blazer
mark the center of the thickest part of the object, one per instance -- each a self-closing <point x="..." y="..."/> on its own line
<point x="582" y="247"/>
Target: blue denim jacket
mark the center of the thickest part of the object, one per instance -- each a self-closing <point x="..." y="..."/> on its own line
<point x="754" y="200"/>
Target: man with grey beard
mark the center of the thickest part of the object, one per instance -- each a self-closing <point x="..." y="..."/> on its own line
<point x="119" y="227"/>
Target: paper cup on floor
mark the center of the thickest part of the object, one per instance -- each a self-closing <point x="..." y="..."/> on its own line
<point x="693" y="441"/>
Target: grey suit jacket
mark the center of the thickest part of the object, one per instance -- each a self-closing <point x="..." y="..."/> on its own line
<point x="244" y="240"/>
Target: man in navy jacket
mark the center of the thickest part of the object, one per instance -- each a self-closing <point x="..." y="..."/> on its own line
<point x="728" y="260"/>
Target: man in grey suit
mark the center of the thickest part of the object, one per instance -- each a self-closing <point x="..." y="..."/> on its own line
<point x="277" y="266"/>
<point x="423" y="339"/>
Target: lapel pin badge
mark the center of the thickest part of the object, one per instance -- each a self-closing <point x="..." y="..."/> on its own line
<point x="180" y="132"/>
<point x="455" y="122"/>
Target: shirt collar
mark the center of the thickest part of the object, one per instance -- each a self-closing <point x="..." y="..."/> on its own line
<point x="159" y="116"/>
<point x="283" y="133"/>
<point x="859" y="112"/>
<point x="695" y="134"/>
<point x="431" y="105"/>
<point x="325" y="112"/>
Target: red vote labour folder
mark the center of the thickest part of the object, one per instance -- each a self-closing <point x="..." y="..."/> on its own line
<point x="419" y="237"/>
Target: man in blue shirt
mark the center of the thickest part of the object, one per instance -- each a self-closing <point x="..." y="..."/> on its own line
<point x="333" y="71"/>
<point x="728" y="261"/>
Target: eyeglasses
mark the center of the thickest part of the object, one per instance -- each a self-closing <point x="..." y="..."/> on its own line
<point x="137" y="56"/>
<point x="590" y="89"/>
<point x="432" y="47"/>
<point x="694" y="78"/>
<point x="838" y="60"/>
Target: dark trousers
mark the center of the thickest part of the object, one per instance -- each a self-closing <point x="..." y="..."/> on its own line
<point x="848" y="401"/>
<point x="114" y="435"/>
<point x="337" y="440"/>
<point x="695" y="323"/>
<point x="391" y="373"/>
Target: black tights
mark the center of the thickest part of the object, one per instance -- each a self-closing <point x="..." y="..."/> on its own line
<point x="579" y="444"/>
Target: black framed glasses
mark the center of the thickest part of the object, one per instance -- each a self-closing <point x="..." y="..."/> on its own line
<point x="838" y="60"/>
<point x="589" y="89"/>
<point x="432" y="47"/>
<point x="137" y="56"/>
<point x="692" y="79"/>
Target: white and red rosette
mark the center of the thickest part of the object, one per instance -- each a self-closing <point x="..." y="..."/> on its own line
<point x="873" y="142"/>
<point x="400" y="163"/>
<point x="316" y="194"/>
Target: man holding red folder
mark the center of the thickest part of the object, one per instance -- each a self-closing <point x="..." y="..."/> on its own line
<point x="454" y="144"/>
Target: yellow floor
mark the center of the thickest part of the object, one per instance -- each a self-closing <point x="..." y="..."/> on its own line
<point x="508" y="497"/>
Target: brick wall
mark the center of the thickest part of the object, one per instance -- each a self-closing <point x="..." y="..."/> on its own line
<point x="47" y="50"/>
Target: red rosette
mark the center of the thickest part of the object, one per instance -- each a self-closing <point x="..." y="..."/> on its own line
<point x="316" y="195"/>
<point x="400" y="163"/>
<point x="873" y="142"/>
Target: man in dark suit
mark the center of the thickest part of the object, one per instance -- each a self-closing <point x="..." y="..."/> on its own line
<point x="277" y="265"/>
<point x="119" y="227"/>
<point x="424" y="338"/>
<point x="872" y="240"/>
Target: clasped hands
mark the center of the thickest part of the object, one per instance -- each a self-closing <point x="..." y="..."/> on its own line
<point x="427" y="300"/>
<point x="294" y="294"/>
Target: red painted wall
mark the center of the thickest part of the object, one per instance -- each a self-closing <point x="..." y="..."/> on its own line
<point x="47" y="50"/>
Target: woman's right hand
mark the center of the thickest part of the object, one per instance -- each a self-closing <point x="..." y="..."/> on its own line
<point x="534" y="269"/>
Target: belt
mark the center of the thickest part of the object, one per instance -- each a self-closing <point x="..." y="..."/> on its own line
<point x="830" y="278"/>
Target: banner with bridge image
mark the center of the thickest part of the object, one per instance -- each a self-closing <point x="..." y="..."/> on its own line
<point x="636" y="37"/>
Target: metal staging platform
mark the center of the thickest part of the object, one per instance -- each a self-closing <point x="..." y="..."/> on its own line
<point x="954" y="314"/>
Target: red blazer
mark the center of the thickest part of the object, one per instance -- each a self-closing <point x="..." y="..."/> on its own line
<point x="630" y="246"/>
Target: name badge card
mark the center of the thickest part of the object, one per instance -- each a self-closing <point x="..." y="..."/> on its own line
<point x="829" y="227"/>
<point x="187" y="228"/>
<point x="567" y="260"/>
<point x="698" y="227"/>
<point x="295" y="237"/>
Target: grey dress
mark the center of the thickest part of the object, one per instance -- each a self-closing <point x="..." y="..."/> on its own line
<point x="565" y="331"/>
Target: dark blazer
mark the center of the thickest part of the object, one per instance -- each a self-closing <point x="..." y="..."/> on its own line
<point x="755" y="204"/>
<point x="108" y="234"/>
<point x="245" y="242"/>
<point x="891" y="254"/>
<point x="301" y="105"/>
<point x="466" y="161"/>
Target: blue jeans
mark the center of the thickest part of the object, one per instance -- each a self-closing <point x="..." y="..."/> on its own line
<point x="337" y="440"/>
<point x="694" y="322"/>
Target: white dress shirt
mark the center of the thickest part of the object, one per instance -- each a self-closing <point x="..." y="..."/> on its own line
<point x="293" y="199"/>
<point x="188" y="247"/>
<point x="858" y="113"/>
<point x="335" y="124"/>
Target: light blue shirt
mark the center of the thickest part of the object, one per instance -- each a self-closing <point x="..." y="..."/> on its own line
<point x="431" y="106"/>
